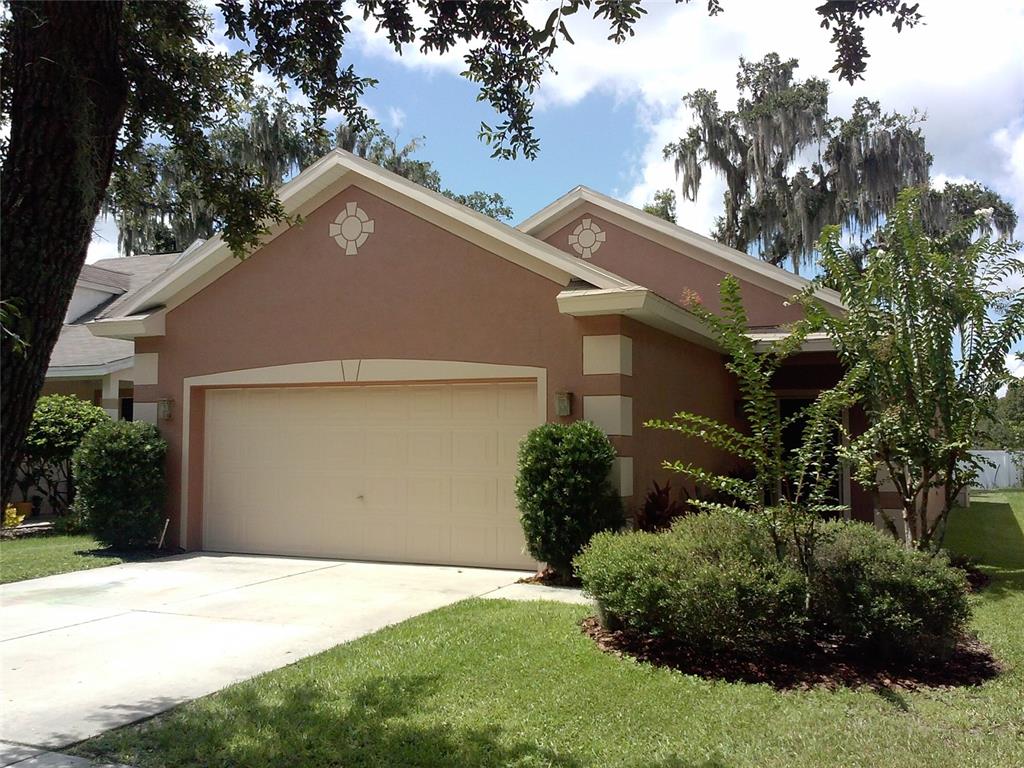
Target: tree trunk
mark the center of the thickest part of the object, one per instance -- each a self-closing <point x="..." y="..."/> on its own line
<point x="68" y="96"/>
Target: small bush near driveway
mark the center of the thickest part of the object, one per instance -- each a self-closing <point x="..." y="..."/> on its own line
<point x="710" y="584"/>
<point x="563" y="492"/>
<point x="121" y="485"/>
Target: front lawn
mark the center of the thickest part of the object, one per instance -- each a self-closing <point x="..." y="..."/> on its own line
<point x="484" y="683"/>
<point x="35" y="556"/>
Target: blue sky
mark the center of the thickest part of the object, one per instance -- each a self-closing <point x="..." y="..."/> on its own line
<point x="604" y="117"/>
<point x="606" y="114"/>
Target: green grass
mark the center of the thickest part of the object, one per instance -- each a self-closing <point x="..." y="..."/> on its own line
<point x="35" y="556"/>
<point x="516" y="684"/>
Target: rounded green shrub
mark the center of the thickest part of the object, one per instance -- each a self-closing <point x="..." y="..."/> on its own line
<point x="563" y="491"/>
<point x="121" y="487"/>
<point x="59" y="424"/>
<point x="883" y="599"/>
<point x="712" y="583"/>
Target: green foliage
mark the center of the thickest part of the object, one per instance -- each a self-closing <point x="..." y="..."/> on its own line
<point x="930" y="321"/>
<point x="563" y="492"/>
<point x="710" y="584"/>
<point x="59" y="424"/>
<point x="120" y="471"/>
<point x="663" y="206"/>
<point x="159" y="205"/>
<point x="884" y="599"/>
<point x="778" y="208"/>
<point x="659" y="509"/>
<point x="789" y="491"/>
<point x="1004" y="429"/>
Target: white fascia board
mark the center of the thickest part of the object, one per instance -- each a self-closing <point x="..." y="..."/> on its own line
<point x="704" y="249"/>
<point x="814" y="342"/>
<point x="129" y="327"/>
<point x="204" y="261"/>
<point x="640" y="304"/>
<point x="88" y="371"/>
<point x="102" y="288"/>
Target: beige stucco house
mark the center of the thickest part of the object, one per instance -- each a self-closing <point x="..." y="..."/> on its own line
<point x="359" y="385"/>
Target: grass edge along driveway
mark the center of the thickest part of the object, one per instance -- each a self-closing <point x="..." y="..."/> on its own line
<point x="499" y="683"/>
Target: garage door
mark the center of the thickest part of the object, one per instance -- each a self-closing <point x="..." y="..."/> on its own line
<point x="411" y="473"/>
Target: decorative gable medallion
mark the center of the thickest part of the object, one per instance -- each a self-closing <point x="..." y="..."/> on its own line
<point x="586" y="238"/>
<point x="351" y="228"/>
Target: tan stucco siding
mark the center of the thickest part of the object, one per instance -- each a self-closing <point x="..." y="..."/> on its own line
<point x="671" y="274"/>
<point x="412" y="291"/>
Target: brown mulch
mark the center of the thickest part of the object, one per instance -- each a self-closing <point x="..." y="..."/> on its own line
<point x="977" y="579"/>
<point x="972" y="663"/>
<point x="549" y="578"/>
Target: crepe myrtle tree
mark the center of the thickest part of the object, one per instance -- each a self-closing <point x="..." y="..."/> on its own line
<point x="84" y="85"/>
<point x="791" y="491"/>
<point x="930" y="320"/>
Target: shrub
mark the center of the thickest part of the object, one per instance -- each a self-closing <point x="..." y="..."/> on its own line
<point x="120" y="471"/>
<point x="883" y="599"/>
<point x="563" y="491"/>
<point x="59" y="424"/>
<point x="709" y="584"/>
<point x="659" y="508"/>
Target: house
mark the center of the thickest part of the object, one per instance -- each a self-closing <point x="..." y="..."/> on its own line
<point x="95" y="368"/>
<point x="358" y="386"/>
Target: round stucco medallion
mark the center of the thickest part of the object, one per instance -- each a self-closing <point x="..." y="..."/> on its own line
<point x="351" y="227"/>
<point x="586" y="238"/>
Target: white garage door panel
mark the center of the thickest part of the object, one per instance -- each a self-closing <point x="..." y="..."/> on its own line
<point x="414" y="473"/>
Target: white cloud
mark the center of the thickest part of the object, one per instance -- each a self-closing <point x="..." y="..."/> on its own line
<point x="104" y="240"/>
<point x="963" y="70"/>
<point x="396" y="117"/>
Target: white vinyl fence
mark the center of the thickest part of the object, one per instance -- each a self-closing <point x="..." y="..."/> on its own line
<point x="1003" y="472"/>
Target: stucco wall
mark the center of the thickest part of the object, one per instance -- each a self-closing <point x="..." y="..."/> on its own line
<point x="669" y="273"/>
<point x="413" y="290"/>
<point x="86" y="389"/>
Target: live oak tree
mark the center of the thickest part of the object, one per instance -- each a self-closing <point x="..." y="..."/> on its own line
<point x="84" y="85"/>
<point x="158" y="207"/>
<point x="791" y="168"/>
<point x="930" y="320"/>
<point x="663" y="205"/>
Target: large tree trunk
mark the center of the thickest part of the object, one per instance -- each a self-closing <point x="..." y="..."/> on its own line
<point x="68" y="96"/>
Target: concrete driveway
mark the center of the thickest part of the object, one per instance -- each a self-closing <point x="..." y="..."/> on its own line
<point x="85" y="652"/>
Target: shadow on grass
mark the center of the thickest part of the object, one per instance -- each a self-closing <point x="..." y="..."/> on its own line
<point x="126" y="555"/>
<point x="990" y="532"/>
<point x="385" y="721"/>
<point x="380" y="723"/>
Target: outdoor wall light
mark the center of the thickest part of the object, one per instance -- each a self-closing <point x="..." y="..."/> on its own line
<point x="164" y="408"/>
<point x="563" y="403"/>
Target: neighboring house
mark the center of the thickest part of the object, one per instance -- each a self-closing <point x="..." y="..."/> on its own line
<point x="91" y="367"/>
<point x="358" y="386"/>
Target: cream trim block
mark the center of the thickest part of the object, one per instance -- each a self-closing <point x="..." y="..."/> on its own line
<point x="144" y="412"/>
<point x="146" y="368"/>
<point x="612" y="413"/>
<point x="608" y="354"/>
<point x="622" y="475"/>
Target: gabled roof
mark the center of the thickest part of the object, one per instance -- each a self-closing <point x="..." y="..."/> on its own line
<point x="95" y="276"/>
<point x="704" y="249"/>
<point x="311" y="188"/>
<point x="78" y="354"/>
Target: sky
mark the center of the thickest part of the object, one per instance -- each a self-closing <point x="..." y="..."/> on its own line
<point x="607" y="111"/>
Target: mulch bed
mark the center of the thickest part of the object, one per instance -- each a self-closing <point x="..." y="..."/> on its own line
<point x="824" y="666"/>
<point x="549" y="578"/>
<point x="976" y="578"/>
